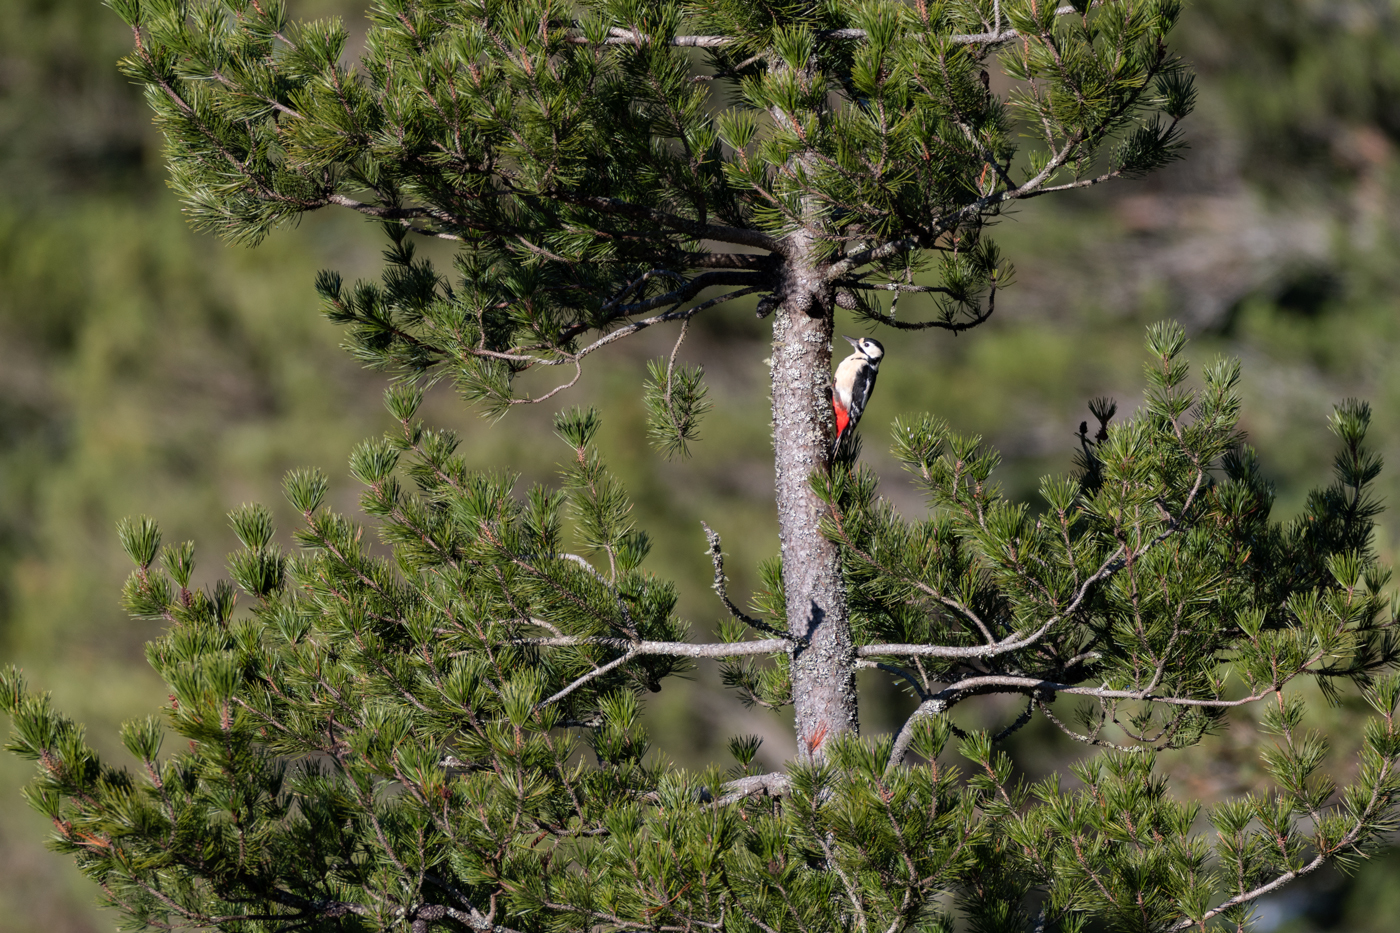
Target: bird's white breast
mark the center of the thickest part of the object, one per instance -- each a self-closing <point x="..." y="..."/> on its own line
<point x="846" y="377"/>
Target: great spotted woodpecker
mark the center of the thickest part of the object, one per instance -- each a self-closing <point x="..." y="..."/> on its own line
<point x="853" y="384"/>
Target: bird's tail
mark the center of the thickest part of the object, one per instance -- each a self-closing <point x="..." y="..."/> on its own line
<point x="846" y="447"/>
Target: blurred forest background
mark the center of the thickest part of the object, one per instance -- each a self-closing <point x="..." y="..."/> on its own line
<point x="148" y="369"/>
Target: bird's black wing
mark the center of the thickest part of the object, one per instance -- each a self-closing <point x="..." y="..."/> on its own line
<point x="862" y="390"/>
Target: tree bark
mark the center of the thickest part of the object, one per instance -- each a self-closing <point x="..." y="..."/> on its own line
<point x="823" y="661"/>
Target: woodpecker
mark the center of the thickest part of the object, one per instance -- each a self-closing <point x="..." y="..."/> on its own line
<point x="853" y="385"/>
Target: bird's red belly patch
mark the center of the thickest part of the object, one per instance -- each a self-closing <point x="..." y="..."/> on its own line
<point x="842" y="419"/>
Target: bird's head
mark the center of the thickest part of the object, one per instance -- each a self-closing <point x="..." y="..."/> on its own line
<point x="867" y="347"/>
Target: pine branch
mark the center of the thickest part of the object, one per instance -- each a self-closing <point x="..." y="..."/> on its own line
<point x="1011" y="642"/>
<point x="1374" y="806"/>
<point x="693" y="228"/>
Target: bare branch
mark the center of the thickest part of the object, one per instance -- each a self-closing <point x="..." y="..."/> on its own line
<point x="582" y="562"/>
<point x="705" y="260"/>
<point x="949" y="325"/>
<point x="675" y="649"/>
<point x="693" y="228"/>
<point x="774" y="784"/>
<point x="933" y="706"/>
<point x="1091" y="739"/>
<point x="395" y="213"/>
<point x="639" y="281"/>
<point x="1034" y="685"/>
<point x="1018" y="722"/>
<point x="591" y="675"/>
<point x="1090" y="182"/>
<point x="1070" y="186"/>
<point x="720" y="586"/>
<point x="891" y="287"/>
<point x="672" y="315"/>
<point x="1035" y="688"/>
<point x="731" y="72"/>
<point x="898" y="672"/>
<point x="578" y="374"/>
<point x="636" y="649"/>
<point x="676" y="297"/>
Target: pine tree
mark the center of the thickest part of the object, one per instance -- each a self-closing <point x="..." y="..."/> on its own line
<point x="447" y="736"/>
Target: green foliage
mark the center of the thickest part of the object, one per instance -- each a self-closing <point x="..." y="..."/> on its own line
<point x="675" y="401"/>
<point x="1229" y="592"/>
<point x="591" y="168"/>
<point x="1303" y="88"/>
<point x="448" y="733"/>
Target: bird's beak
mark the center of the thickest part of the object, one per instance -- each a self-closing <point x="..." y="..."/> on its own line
<point x="851" y="340"/>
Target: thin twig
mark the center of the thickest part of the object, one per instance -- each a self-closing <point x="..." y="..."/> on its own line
<point x="892" y="287"/>
<point x="591" y="675"/>
<point x="720" y="586"/>
<point x="949" y="325"/>
<point x="898" y="672"/>
<point x="1092" y="739"/>
<point x="670" y="379"/>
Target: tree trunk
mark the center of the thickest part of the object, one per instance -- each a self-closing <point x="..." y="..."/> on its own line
<point x="823" y="664"/>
